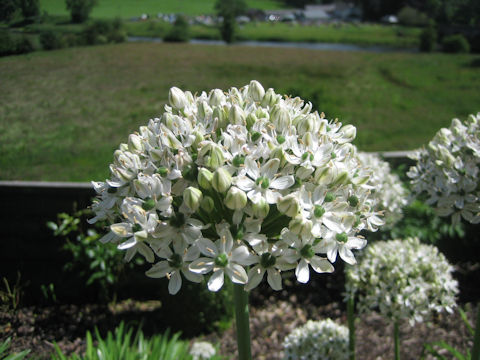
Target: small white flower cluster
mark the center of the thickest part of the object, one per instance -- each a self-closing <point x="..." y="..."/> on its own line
<point x="448" y="171"/>
<point x="403" y="279"/>
<point x="317" y="340"/>
<point x="202" y="350"/>
<point x="387" y="189"/>
<point x="223" y="181"/>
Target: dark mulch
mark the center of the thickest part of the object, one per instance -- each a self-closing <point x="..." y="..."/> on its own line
<point x="38" y="328"/>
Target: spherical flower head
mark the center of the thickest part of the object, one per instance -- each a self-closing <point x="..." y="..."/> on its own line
<point x="317" y="340"/>
<point x="243" y="183"/>
<point x="388" y="193"/>
<point x="447" y="171"/>
<point x="202" y="350"/>
<point x="403" y="280"/>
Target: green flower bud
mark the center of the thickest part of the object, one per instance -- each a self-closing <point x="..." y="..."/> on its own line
<point x="342" y="237"/>
<point x="221" y="180"/>
<point x="349" y="134"/>
<point x="215" y="159"/>
<point x="267" y="260"/>
<point x="300" y="227"/>
<point x="177" y="98"/>
<point x="255" y="136"/>
<point x="162" y="171"/>
<point x="319" y="211"/>
<point x="235" y="199"/>
<point x="256" y="91"/>
<point x="148" y="204"/>
<point x="135" y="143"/>
<point x="219" y="115"/>
<point x="237" y="115"/>
<point x="307" y="252"/>
<point x="329" y="197"/>
<point x="270" y="98"/>
<point x="216" y="97"/>
<point x="238" y="160"/>
<point x="192" y="197"/>
<point x="280" y="117"/>
<point x="204" y="110"/>
<point x="221" y="260"/>
<point x="207" y="204"/>
<point x="289" y="205"/>
<point x="342" y="178"/>
<point x="352" y="200"/>
<point x="260" y="209"/>
<point x="251" y="119"/>
<point x="204" y="178"/>
<point x="307" y="124"/>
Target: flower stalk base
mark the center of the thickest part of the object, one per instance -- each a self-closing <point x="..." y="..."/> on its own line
<point x="242" y="320"/>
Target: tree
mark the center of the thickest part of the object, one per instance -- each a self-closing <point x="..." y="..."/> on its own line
<point x="7" y="10"/>
<point x="228" y="10"/>
<point x="80" y="9"/>
<point x="29" y="8"/>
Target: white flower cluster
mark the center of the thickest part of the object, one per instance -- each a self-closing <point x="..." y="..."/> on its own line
<point x="317" y="340"/>
<point x="388" y="192"/>
<point x="403" y="279"/>
<point x="448" y="171"/>
<point x="202" y="350"/>
<point x="223" y="181"/>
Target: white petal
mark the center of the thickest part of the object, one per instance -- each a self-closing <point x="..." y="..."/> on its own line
<point x="236" y="273"/>
<point x="146" y="252"/>
<point x="190" y="276"/>
<point x="215" y="282"/>
<point x="302" y="272"/>
<point x="347" y="255"/>
<point x="207" y="247"/>
<point x="255" y="276"/>
<point x="201" y="266"/>
<point x="274" y="279"/>
<point x="321" y="265"/>
<point x="175" y="283"/>
<point x="272" y="197"/>
<point x="159" y="270"/>
<point x="269" y="169"/>
<point x="356" y="243"/>
<point x="332" y="222"/>
<point x="121" y="229"/>
<point x="244" y="183"/>
<point x="252" y="167"/>
<point x="242" y="256"/>
<point x="127" y="244"/>
<point x="282" y="182"/>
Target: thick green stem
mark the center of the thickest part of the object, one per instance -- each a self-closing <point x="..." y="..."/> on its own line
<point x="242" y="319"/>
<point x="476" y="337"/>
<point x="351" y="327"/>
<point x="396" y="340"/>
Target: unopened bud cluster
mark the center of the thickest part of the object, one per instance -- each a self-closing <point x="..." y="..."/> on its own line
<point x="388" y="192"/>
<point x="448" y="171"/>
<point x="403" y="280"/>
<point x="240" y="183"/>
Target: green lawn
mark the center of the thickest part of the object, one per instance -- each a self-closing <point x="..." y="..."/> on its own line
<point x="135" y="8"/>
<point x="62" y="113"/>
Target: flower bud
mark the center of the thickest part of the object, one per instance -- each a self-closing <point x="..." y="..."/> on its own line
<point x="289" y="205"/>
<point x="300" y="227"/>
<point x="236" y="115"/>
<point x="219" y="115"/>
<point x="307" y="124"/>
<point x="221" y="180"/>
<point x="260" y="209"/>
<point x="207" y="204"/>
<point x="177" y="98"/>
<point x="192" y="197"/>
<point x="204" y="178"/>
<point x="251" y="119"/>
<point x="280" y="118"/>
<point x="235" y="199"/>
<point x="216" y="97"/>
<point x="349" y="134"/>
<point x="135" y="143"/>
<point x="256" y="91"/>
<point x="204" y="110"/>
<point x="261" y="113"/>
<point x="269" y="99"/>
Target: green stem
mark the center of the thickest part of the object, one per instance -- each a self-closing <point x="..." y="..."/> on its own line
<point x="351" y="327"/>
<point x="476" y="337"/>
<point x="396" y="340"/>
<point x="240" y="298"/>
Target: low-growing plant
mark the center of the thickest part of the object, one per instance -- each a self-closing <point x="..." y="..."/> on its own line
<point x="180" y="31"/>
<point x="80" y="9"/>
<point x="6" y="355"/>
<point x="455" y="44"/>
<point x="104" y="32"/>
<point x="11" y="295"/>
<point x="126" y="344"/>
<point x="10" y="45"/>
<point x="51" y="40"/>
<point x="428" y="39"/>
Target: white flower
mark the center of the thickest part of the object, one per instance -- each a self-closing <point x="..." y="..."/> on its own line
<point x="202" y="350"/>
<point x="448" y="170"/>
<point x="222" y="259"/>
<point x="317" y="340"/>
<point x="403" y="279"/>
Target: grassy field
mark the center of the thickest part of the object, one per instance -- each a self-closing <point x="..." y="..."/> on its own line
<point x="129" y="8"/>
<point x="62" y="113"/>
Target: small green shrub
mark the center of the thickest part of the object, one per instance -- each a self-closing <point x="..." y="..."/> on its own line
<point x="14" y="45"/>
<point x="24" y="45"/>
<point x="104" y="32"/>
<point x="180" y="31"/>
<point x="29" y="8"/>
<point x="428" y="39"/>
<point x="50" y="40"/>
<point x="455" y="44"/>
<point x="80" y="9"/>
<point x="411" y="17"/>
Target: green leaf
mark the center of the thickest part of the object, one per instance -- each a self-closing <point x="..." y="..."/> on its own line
<point x="463" y="315"/>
